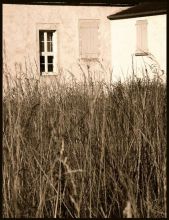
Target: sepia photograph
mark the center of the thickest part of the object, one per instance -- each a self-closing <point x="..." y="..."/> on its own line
<point x="84" y="109"/>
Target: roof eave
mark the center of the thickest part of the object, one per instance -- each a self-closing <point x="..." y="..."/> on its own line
<point x="111" y="3"/>
<point x="138" y="14"/>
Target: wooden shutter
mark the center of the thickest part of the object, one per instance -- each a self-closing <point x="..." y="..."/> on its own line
<point x="141" y="37"/>
<point x="89" y="39"/>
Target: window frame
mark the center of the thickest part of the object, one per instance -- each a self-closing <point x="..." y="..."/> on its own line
<point x="92" y="22"/>
<point x="47" y="28"/>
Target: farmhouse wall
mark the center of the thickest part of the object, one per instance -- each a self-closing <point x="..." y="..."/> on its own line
<point x="123" y="47"/>
<point x="20" y="38"/>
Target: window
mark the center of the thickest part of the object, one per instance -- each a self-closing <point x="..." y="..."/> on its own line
<point x="47" y="46"/>
<point x="89" y="39"/>
<point x="141" y="38"/>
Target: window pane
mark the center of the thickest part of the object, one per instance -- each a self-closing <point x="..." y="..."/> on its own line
<point x="49" y="36"/>
<point x="50" y="67"/>
<point x="42" y="46"/>
<point x="50" y="59"/>
<point x="49" y="46"/>
<point x="41" y="34"/>
<point x="42" y="67"/>
<point x="42" y="59"/>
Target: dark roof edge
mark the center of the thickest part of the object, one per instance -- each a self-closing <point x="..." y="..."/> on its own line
<point x="139" y="14"/>
<point x="70" y="4"/>
<point x="74" y="2"/>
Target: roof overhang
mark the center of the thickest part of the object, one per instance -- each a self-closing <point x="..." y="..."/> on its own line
<point x="149" y="8"/>
<point x="120" y="3"/>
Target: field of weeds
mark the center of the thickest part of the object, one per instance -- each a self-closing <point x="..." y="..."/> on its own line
<point x="84" y="150"/>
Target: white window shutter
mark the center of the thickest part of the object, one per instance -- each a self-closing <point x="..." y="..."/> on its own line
<point x="89" y="39"/>
<point x="85" y="41"/>
<point x="94" y="42"/>
<point x="141" y="37"/>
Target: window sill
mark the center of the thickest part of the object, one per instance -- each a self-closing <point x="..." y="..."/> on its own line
<point x="141" y="54"/>
<point x="48" y="74"/>
<point x="89" y="59"/>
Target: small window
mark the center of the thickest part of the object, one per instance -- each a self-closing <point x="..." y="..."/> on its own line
<point x="141" y="38"/>
<point x="47" y="41"/>
<point x="89" y="39"/>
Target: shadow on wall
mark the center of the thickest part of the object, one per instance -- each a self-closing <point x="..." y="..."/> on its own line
<point x="140" y="66"/>
<point x="82" y="71"/>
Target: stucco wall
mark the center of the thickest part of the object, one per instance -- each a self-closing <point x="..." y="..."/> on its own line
<point x="124" y="46"/>
<point x="20" y="38"/>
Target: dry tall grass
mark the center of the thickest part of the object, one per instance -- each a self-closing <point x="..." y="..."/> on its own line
<point x="84" y="150"/>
